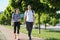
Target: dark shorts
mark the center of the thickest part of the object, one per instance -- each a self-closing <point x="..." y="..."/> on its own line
<point x="16" y="27"/>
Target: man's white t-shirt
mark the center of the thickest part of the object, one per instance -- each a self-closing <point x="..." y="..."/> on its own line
<point x="30" y="15"/>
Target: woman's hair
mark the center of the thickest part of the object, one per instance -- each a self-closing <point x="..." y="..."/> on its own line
<point x="15" y="10"/>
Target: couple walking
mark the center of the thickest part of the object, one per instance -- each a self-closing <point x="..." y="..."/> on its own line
<point x="28" y="19"/>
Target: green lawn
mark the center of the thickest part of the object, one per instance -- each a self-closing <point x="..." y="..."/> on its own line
<point x="45" y="34"/>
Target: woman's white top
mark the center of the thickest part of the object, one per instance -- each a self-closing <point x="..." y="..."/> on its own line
<point x="30" y="15"/>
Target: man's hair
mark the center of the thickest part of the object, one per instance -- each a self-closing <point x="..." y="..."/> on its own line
<point x="29" y="5"/>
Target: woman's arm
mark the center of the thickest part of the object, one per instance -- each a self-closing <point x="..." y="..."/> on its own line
<point x="25" y="17"/>
<point x="12" y="21"/>
<point x="19" y="18"/>
<point x="12" y="17"/>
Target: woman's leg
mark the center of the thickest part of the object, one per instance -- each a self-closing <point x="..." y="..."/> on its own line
<point x="18" y="28"/>
<point x="15" y="30"/>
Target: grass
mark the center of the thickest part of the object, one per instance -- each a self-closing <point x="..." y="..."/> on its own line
<point x="45" y="34"/>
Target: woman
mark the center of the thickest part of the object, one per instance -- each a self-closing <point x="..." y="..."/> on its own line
<point x="16" y="20"/>
<point x="29" y="19"/>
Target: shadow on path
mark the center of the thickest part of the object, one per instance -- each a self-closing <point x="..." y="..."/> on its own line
<point x="52" y="39"/>
<point x="50" y="30"/>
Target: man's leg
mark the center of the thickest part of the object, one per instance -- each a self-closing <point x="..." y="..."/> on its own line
<point x="29" y="27"/>
<point x="30" y="30"/>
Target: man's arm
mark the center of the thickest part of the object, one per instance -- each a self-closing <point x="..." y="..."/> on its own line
<point x="34" y="15"/>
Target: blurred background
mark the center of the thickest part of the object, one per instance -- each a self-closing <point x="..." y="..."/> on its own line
<point x="47" y="14"/>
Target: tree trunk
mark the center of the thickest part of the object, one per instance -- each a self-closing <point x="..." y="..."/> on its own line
<point x="45" y="26"/>
<point x="39" y="21"/>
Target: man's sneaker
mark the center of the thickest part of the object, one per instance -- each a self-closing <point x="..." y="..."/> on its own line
<point x="30" y="38"/>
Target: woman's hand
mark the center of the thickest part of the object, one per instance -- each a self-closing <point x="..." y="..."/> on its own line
<point x="19" y="20"/>
<point x="24" y="22"/>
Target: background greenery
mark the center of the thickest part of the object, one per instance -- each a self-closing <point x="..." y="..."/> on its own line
<point x="45" y="14"/>
<point x="44" y="9"/>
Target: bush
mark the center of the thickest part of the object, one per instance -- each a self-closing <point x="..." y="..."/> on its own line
<point x="59" y="20"/>
<point x="53" y="21"/>
<point x="45" y="18"/>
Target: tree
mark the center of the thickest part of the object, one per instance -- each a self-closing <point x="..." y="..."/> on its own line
<point x="45" y="18"/>
<point x="39" y="7"/>
<point x="16" y="4"/>
<point x="54" y="21"/>
<point x="55" y="3"/>
<point x="9" y="10"/>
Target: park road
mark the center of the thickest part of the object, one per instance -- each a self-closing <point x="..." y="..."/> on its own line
<point x="10" y="36"/>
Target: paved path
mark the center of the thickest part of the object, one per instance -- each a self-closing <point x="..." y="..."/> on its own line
<point x="9" y="34"/>
<point x="2" y="37"/>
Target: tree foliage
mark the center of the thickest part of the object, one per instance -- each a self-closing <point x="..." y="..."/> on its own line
<point x="54" y="21"/>
<point x="48" y="7"/>
<point x="45" y="18"/>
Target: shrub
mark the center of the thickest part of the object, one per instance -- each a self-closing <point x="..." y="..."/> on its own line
<point x="53" y="21"/>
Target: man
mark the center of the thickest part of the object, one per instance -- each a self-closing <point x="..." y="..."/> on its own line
<point x="29" y="20"/>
